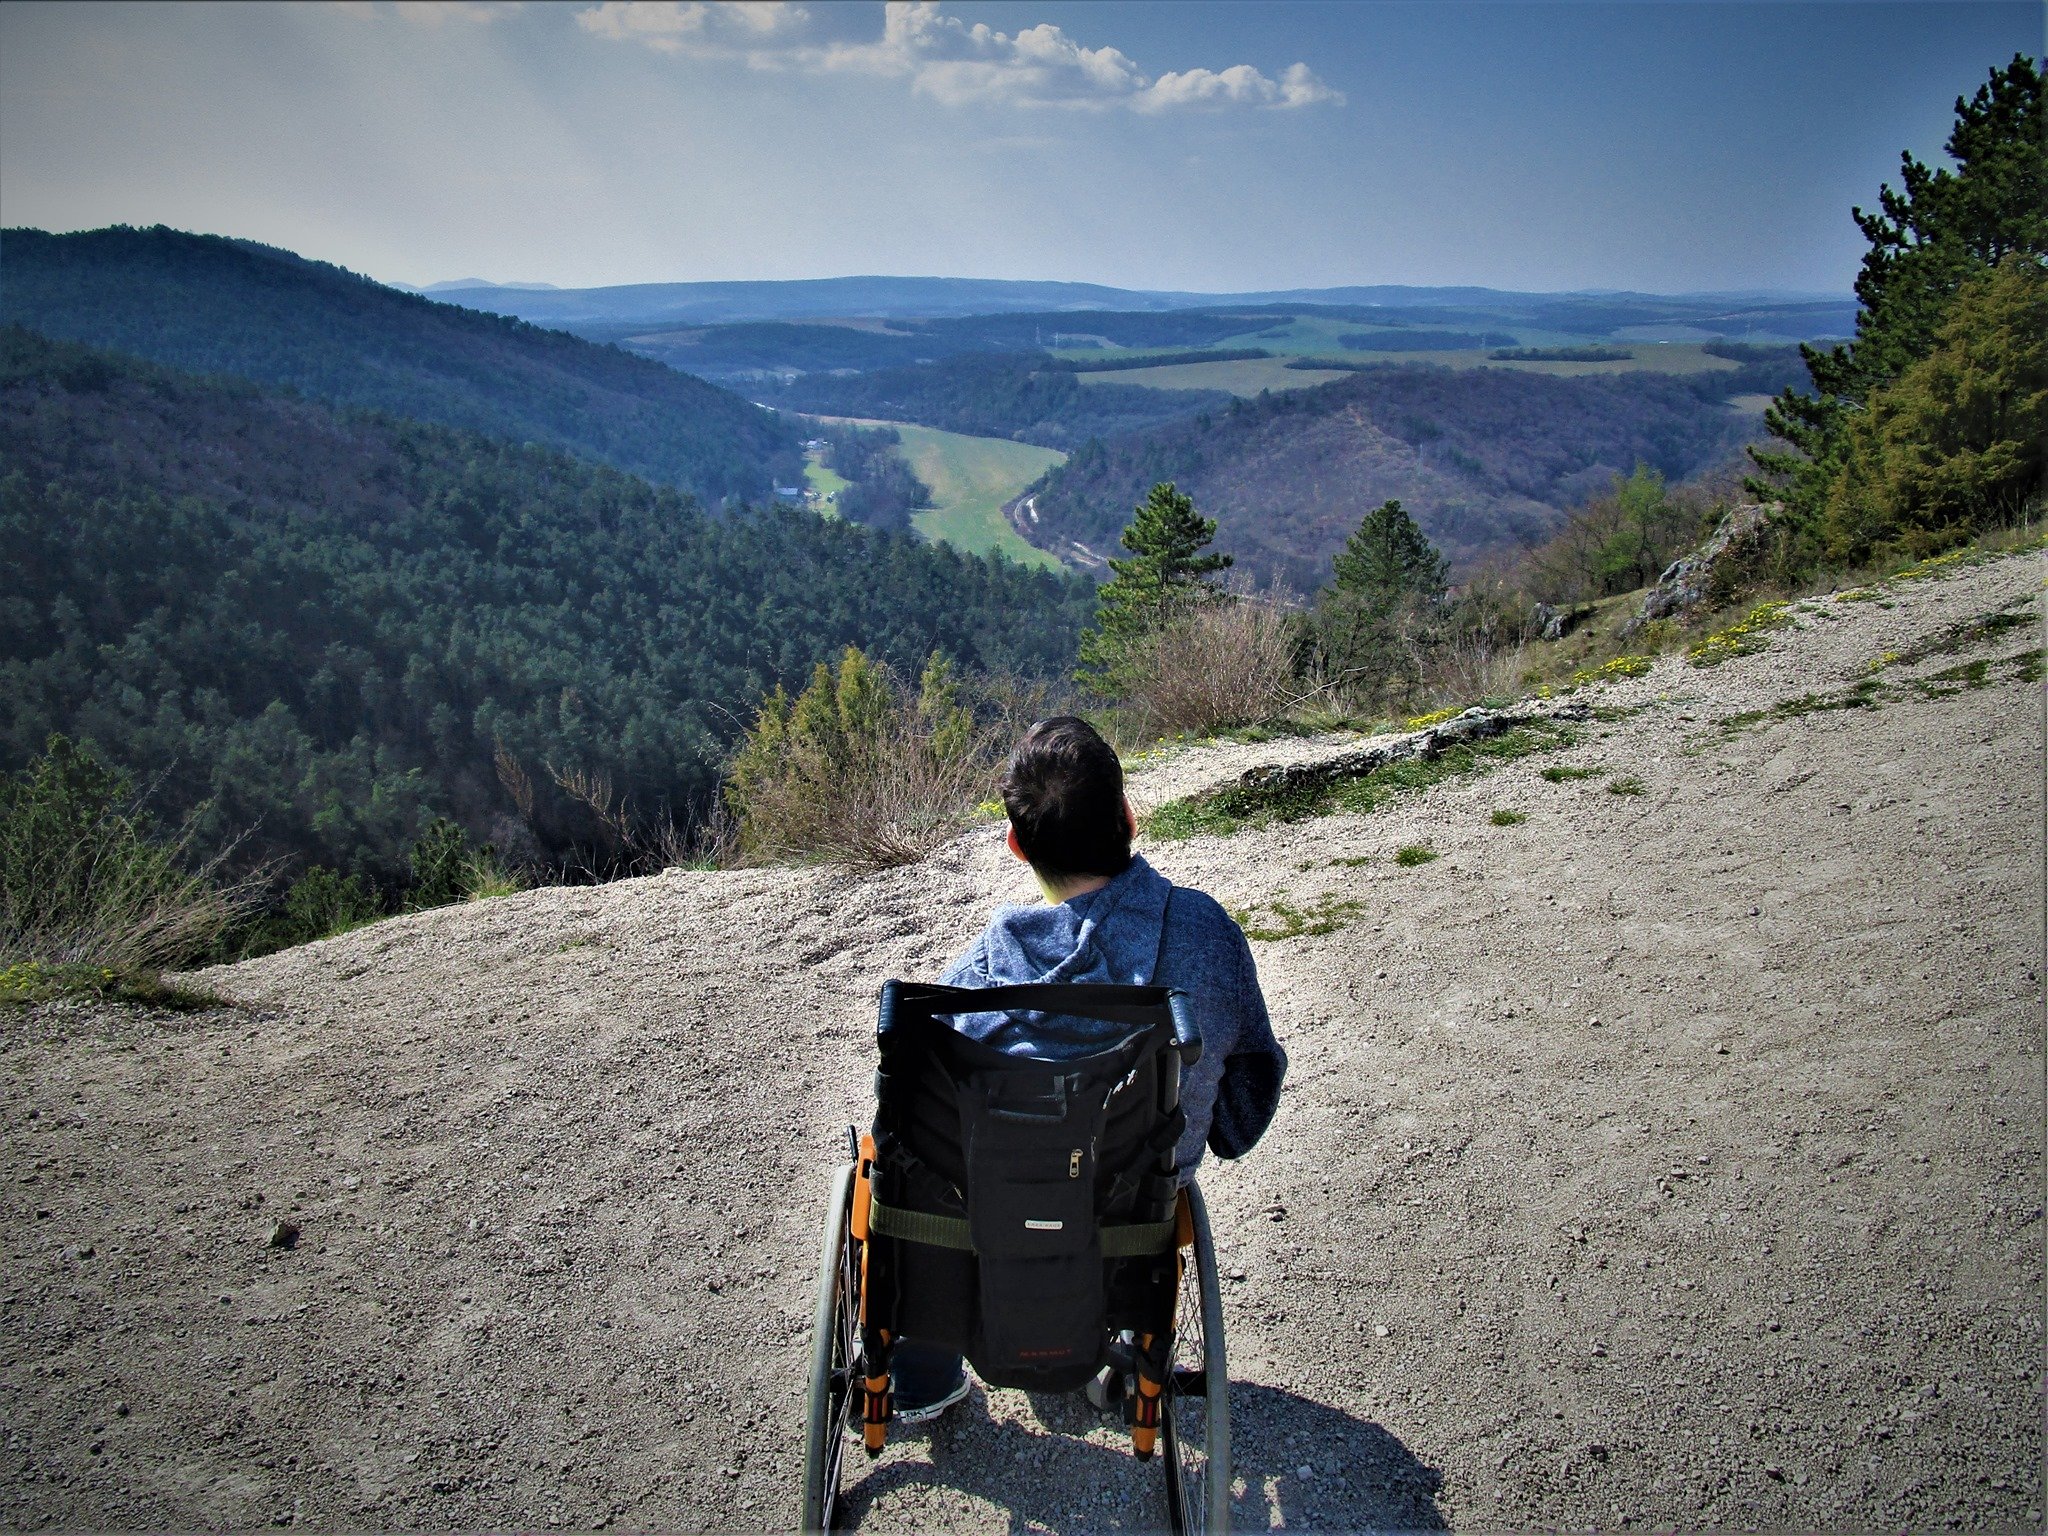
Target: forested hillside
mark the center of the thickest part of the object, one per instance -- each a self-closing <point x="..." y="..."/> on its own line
<point x="332" y="626"/>
<point x="1487" y="460"/>
<point x="1026" y="398"/>
<point x="213" y="305"/>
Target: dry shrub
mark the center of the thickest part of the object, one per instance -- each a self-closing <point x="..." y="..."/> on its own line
<point x="85" y="880"/>
<point x="1471" y="666"/>
<point x="628" y="842"/>
<point x="1215" y="666"/>
<point x="859" y="771"/>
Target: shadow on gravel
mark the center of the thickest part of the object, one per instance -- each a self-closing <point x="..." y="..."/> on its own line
<point x="1361" y="1477"/>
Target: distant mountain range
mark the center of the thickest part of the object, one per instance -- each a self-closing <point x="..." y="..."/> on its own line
<point x="219" y="306"/>
<point x="1732" y="313"/>
<point x="1138" y="386"/>
<point x="455" y="285"/>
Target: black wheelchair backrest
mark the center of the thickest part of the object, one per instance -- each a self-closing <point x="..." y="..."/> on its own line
<point x="1029" y="1199"/>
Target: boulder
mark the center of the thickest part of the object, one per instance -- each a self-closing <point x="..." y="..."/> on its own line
<point x="1692" y="579"/>
<point x="1555" y="621"/>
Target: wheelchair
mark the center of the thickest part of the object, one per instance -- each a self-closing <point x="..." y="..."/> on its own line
<point x="1025" y="1210"/>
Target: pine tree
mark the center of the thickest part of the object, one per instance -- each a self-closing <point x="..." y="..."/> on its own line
<point x="1374" y="617"/>
<point x="1926" y="240"/>
<point x="1388" y="558"/>
<point x="1959" y="441"/>
<point x="1167" y="572"/>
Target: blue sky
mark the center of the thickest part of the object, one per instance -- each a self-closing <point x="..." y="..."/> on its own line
<point x="1656" y="146"/>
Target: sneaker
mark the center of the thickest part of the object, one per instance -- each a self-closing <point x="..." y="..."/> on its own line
<point x="1106" y="1389"/>
<point x="1112" y="1384"/>
<point x="924" y="1413"/>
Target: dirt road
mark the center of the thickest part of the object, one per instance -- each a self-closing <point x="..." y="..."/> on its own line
<point x="1669" y="1158"/>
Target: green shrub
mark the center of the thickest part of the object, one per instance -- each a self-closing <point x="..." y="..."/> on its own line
<point x="86" y="880"/>
<point x="440" y="860"/>
<point x="1414" y="854"/>
<point x="322" y="903"/>
<point x="858" y="771"/>
<point x="1954" y="445"/>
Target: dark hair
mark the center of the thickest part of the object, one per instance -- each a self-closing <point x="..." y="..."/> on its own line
<point x="1064" y="791"/>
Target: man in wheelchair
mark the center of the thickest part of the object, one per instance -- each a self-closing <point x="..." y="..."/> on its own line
<point x="1026" y="1197"/>
<point x="1107" y="917"/>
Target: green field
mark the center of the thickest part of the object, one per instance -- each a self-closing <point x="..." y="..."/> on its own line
<point x="1249" y="376"/>
<point x="825" y="484"/>
<point x="971" y="478"/>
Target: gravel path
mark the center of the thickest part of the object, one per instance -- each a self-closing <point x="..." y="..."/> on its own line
<point x="1664" y="1159"/>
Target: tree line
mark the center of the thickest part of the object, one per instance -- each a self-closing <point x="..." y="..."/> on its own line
<point x="1027" y="398"/>
<point x="1929" y="425"/>
<point x="884" y="490"/>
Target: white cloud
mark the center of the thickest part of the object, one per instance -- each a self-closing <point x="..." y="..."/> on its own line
<point x="945" y="58"/>
<point x="730" y="29"/>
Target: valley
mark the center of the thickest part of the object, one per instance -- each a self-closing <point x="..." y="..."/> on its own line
<point x="473" y="750"/>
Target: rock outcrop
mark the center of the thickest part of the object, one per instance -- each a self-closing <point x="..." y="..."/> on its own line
<point x="1691" y="580"/>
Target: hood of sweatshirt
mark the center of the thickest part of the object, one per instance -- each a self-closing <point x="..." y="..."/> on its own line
<point x="1107" y="935"/>
<point x="1111" y="934"/>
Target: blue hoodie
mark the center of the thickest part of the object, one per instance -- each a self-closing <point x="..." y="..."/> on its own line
<point x="1139" y="930"/>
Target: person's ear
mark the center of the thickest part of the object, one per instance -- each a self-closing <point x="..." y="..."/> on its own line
<point x="1130" y="818"/>
<point x="1016" y="848"/>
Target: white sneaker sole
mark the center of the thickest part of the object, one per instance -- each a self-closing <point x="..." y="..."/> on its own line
<point x="931" y="1411"/>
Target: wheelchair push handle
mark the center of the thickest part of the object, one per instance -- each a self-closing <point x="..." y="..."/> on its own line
<point x="1187" y="1034"/>
<point x="1113" y="1004"/>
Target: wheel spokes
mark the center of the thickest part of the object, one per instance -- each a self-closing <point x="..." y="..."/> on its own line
<point x="1184" y="1423"/>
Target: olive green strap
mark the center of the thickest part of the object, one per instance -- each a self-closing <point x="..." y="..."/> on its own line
<point x="1127" y="1241"/>
<point x="918" y="1226"/>
<point x="1136" y="1239"/>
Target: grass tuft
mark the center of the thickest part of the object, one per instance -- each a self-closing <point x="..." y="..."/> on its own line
<point x="485" y="877"/>
<point x="1627" y="784"/>
<point x="36" y="981"/>
<point x="1561" y="773"/>
<point x="1414" y="854"/>
<point x="1744" y="638"/>
<point x="1326" y="914"/>
<point x="1506" y="818"/>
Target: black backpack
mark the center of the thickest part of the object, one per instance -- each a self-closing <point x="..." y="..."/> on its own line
<point x="1021" y="1209"/>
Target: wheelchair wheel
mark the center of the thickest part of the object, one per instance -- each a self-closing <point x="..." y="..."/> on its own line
<point x="1194" y="1419"/>
<point x="833" y="1408"/>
